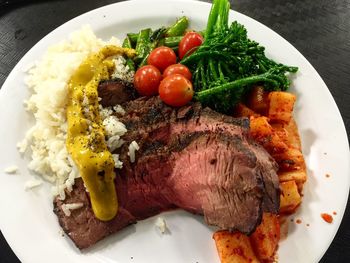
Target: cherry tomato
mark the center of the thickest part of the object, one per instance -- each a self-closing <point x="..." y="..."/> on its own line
<point x="189" y="43"/>
<point x="175" y="90"/>
<point x="177" y="69"/>
<point x="161" y="58"/>
<point x="146" y="80"/>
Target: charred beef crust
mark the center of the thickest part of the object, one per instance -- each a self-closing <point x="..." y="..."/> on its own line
<point x="165" y="174"/>
<point x="117" y="91"/>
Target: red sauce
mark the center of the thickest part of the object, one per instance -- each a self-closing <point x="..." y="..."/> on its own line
<point x="283" y="227"/>
<point x="298" y="221"/>
<point x="327" y="217"/>
<point x="334" y="213"/>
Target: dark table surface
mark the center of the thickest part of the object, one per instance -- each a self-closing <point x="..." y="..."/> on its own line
<point x="319" y="29"/>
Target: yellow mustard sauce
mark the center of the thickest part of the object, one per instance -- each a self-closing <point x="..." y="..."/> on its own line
<point x="86" y="135"/>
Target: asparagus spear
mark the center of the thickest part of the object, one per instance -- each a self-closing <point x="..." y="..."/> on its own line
<point x="143" y="45"/>
<point x="178" y="28"/>
<point x="129" y="62"/>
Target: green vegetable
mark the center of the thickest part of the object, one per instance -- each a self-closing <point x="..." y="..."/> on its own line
<point x="133" y="38"/>
<point x="176" y="49"/>
<point x="126" y="43"/>
<point x="228" y="64"/>
<point x="129" y="62"/>
<point x="269" y="77"/>
<point x="172" y="41"/>
<point x="218" y="17"/>
<point x="143" y="45"/>
<point x="154" y="38"/>
<point x="158" y="34"/>
<point x="178" y="28"/>
<point x="147" y="40"/>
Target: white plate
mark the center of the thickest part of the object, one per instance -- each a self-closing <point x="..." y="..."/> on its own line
<point x="31" y="228"/>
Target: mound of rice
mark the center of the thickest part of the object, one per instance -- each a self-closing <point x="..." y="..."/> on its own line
<point x="45" y="142"/>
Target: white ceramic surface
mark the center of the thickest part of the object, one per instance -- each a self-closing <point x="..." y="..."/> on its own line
<point x="31" y="228"/>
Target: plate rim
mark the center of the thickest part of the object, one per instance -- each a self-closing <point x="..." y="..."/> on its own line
<point x="6" y="85"/>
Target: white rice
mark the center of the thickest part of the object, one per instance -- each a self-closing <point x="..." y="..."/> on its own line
<point x="105" y="112"/>
<point x="11" y="169"/>
<point x="114" y="130"/>
<point x="30" y="184"/>
<point x="114" y="142"/>
<point x="133" y="147"/>
<point x="119" y="110"/>
<point x="122" y="72"/>
<point x="117" y="163"/>
<point x="113" y="126"/>
<point x="61" y="232"/>
<point x="67" y="208"/>
<point x="161" y="225"/>
<point x="45" y="142"/>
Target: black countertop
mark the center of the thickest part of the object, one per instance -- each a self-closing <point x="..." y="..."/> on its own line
<point x="319" y="29"/>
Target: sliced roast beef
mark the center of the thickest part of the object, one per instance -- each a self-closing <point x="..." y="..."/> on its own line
<point x="189" y="158"/>
<point x="117" y="91"/>
<point x="271" y="199"/>
<point x="82" y="226"/>
<point x="151" y="119"/>
<point x="215" y="175"/>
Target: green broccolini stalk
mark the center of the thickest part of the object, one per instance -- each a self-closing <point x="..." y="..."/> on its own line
<point x="228" y="63"/>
